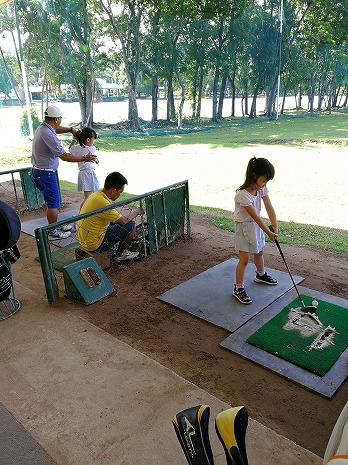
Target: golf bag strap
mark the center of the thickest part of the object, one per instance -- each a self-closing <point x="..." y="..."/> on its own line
<point x="192" y="429"/>
<point x="231" y="426"/>
<point x="12" y="254"/>
<point x="5" y="278"/>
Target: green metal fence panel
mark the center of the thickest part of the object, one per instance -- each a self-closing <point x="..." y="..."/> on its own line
<point x="165" y="217"/>
<point x="33" y="198"/>
<point x="20" y="191"/>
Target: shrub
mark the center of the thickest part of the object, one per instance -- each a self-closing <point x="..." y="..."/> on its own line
<point x="24" y="121"/>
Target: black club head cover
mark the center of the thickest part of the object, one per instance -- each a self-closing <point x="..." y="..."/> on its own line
<point x="231" y="426"/>
<point x="192" y="429"/>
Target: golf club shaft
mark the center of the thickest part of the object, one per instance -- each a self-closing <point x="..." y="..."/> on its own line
<point x="292" y="279"/>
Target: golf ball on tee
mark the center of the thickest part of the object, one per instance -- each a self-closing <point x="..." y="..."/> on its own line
<point x="315" y="303"/>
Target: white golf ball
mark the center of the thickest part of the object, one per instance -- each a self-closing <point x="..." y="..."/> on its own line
<point x="315" y="303"/>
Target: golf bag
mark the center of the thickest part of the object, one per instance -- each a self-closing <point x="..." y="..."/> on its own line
<point x="231" y="426"/>
<point x="192" y="429"/>
<point x="10" y="227"/>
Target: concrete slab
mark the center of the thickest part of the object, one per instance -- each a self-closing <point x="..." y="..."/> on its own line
<point x="29" y="227"/>
<point x="326" y="385"/>
<point x="209" y="295"/>
<point x="86" y="397"/>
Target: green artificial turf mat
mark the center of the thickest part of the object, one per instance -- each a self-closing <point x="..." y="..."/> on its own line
<point x="63" y="256"/>
<point x="294" y="347"/>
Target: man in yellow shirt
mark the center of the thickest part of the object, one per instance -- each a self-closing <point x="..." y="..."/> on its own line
<point x="102" y="231"/>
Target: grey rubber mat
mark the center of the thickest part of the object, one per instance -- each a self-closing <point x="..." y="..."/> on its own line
<point x="29" y="227"/>
<point x="208" y="295"/>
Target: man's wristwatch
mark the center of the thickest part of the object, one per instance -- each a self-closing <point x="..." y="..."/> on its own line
<point x="71" y="129"/>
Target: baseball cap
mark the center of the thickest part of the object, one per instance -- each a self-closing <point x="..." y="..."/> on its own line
<point x="53" y="112"/>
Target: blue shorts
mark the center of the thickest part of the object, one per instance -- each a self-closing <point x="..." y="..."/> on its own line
<point x="115" y="233"/>
<point x="46" y="182"/>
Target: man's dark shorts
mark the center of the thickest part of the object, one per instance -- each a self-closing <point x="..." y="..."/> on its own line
<point x="46" y="182"/>
<point x="115" y="233"/>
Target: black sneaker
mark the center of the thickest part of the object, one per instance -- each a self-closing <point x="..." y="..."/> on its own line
<point x="241" y="295"/>
<point x="266" y="279"/>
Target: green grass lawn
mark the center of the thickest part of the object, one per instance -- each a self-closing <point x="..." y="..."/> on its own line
<point x="331" y="129"/>
<point x="292" y="233"/>
<point x="297" y="131"/>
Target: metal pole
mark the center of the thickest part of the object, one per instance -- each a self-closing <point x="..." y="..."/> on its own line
<point x="280" y="53"/>
<point x="24" y="75"/>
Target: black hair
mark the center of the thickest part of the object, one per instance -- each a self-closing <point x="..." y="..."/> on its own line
<point x="115" y="180"/>
<point x="257" y="167"/>
<point x="85" y="133"/>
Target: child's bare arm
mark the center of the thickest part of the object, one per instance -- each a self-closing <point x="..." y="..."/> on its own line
<point x="271" y="213"/>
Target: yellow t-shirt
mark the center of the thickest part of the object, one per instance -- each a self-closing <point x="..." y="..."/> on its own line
<point x="91" y="231"/>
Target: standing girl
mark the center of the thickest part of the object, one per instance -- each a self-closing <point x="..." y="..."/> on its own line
<point x="87" y="181"/>
<point x="249" y="227"/>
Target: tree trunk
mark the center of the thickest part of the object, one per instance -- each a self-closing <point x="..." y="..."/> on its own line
<point x="200" y="93"/>
<point x="154" y="97"/>
<point x="215" y="91"/>
<point x="182" y="101"/>
<point x="283" y="101"/>
<point x="272" y="98"/>
<point x="233" y="95"/>
<point x="222" y="95"/>
<point x="170" y="99"/>
<point x="133" y="116"/>
<point x="299" y="102"/>
<point x="311" y="98"/>
<point x="154" y="89"/>
<point x="195" y="91"/>
<point x="253" y="104"/>
<point x="246" y="101"/>
<point x="217" y="71"/>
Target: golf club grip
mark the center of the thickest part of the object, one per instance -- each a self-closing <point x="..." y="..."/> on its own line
<point x="277" y="244"/>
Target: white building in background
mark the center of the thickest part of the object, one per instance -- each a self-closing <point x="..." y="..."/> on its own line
<point x="105" y="89"/>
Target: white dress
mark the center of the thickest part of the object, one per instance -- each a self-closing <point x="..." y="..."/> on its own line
<point x="249" y="237"/>
<point x="87" y="179"/>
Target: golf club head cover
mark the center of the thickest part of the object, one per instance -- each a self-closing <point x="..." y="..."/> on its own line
<point x="231" y="426"/>
<point x="192" y="429"/>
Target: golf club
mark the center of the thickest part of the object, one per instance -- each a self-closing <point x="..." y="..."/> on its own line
<point x="306" y="308"/>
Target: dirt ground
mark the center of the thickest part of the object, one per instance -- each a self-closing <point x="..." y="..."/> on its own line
<point x="190" y="346"/>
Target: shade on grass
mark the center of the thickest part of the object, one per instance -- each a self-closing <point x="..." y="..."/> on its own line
<point x="291" y="346"/>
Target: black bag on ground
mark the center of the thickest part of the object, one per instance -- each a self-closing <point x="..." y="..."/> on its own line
<point x="10" y="226"/>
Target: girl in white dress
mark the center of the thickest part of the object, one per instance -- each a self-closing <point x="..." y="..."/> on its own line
<point x="250" y="229"/>
<point x="87" y="181"/>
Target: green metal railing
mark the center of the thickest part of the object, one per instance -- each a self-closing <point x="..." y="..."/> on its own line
<point x="26" y="194"/>
<point x="167" y="211"/>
